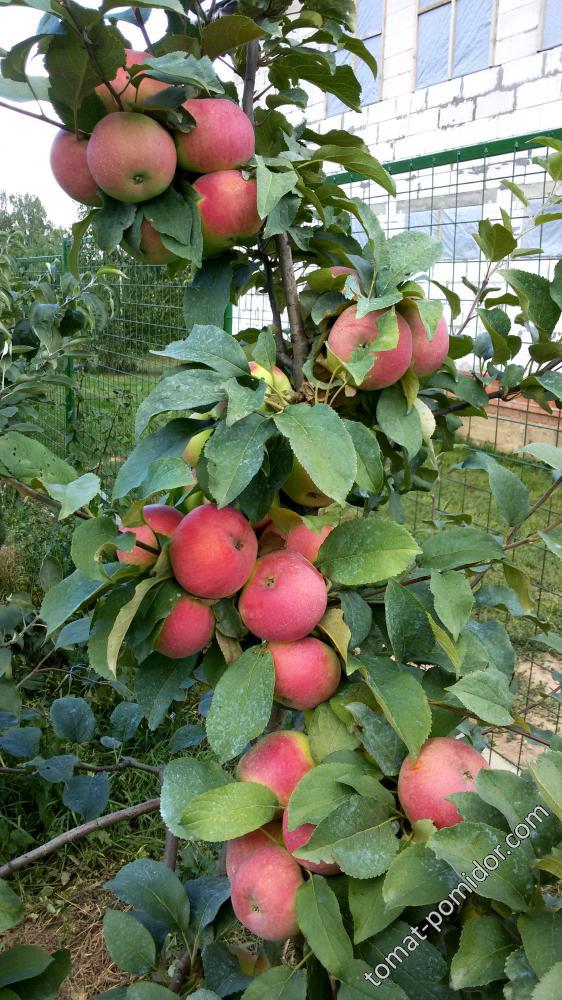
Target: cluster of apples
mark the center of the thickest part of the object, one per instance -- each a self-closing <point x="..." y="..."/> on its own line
<point x="133" y="158"/>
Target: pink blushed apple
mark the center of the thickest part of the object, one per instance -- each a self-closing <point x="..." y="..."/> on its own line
<point x="307" y="672"/>
<point x="223" y="137"/>
<point x="294" y="839"/>
<point x="427" y="355"/>
<point x="264" y="893"/>
<point x="305" y="540"/>
<point x="138" y="556"/>
<point x="444" y="766"/>
<point x="228" y="208"/>
<point x="240" y="848"/>
<point x="162" y="518"/>
<point x="69" y="164"/>
<point x="213" y="551"/>
<point x="131" y="97"/>
<point x="285" y="597"/>
<point x="278" y="761"/>
<point x="131" y="157"/>
<point x="350" y="332"/>
<point x="188" y="628"/>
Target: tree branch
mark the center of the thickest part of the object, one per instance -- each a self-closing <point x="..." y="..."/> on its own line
<point x="143" y="31"/>
<point x="252" y="60"/>
<point x="77" y="832"/>
<point x="496" y="394"/>
<point x="39" y="117"/>
<point x="170" y="856"/>
<point x="298" y="336"/>
<point x="277" y="323"/>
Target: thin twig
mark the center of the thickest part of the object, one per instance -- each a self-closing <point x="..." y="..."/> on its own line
<point x="39" y="117"/>
<point x="124" y="764"/>
<point x="299" y="339"/>
<point x="532" y="510"/>
<point x="143" y="31"/>
<point x="77" y="832"/>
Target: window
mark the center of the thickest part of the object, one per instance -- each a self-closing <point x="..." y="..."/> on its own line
<point x="453" y="38"/>
<point x="369" y="21"/>
<point x="552" y="31"/>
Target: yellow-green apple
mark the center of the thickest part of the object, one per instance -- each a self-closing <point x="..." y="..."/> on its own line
<point x="188" y="628"/>
<point x="294" y="839"/>
<point x="131" y="97"/>
<point x="251" y="963"/>
<point x="306" y="541"/>
<point x="307" y="672"/>
<point x="152" y="249"/>
<point x="70" y="168"/>
<point x="284" y="598"/>
<point x="280" y="381"/>
<point x="427" y="355"/>
<point x="223" y="137"/>
<point x="131" y="157"/>
<point x="350" y="332"/>
<point x="278" y="761"/>
<point x="162" y="518"/>
<point x="264" y="893"/>
<point x="228" y="208"/>
<point x="300" y="488"/>
<point x="213" y="551"/>
<point x="194" y="447"/>
<point x="443" y="766"/>
<point x="240" y="848"/>
<point x="138" y="556"/>
<point x="195" y="499"/>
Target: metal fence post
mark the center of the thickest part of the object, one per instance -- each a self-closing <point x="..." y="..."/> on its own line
<point x="69" y="396"/>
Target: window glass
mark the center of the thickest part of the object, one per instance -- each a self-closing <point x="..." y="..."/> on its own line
<point x="369" y="17"/>
<point x="424" y="4"/>
<point x="370" y="88"/>
<point x="334" y="105"/>
<point x="433" y="46"/>
<point x="472" y="36"/>
<point x="552" y="24"/>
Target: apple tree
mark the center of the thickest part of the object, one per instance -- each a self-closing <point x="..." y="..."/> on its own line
<point x="254" y="549"/>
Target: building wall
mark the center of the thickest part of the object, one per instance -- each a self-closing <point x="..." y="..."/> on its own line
<point x="520" y="92"/>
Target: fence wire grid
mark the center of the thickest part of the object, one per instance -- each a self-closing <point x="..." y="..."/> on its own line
<point x="446" y="195"/>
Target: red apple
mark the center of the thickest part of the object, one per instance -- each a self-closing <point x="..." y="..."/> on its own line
<point x="69" y="164"/>
<point x="240" y="848"/>
<point x="213" y="551"/>
<point x="152" y="249"/>
<point x="188" y="628"/>
<point x="349" y="332"/>
<point x="138" y="556"/>
<point x="427" y="355"/>
<point x="264" y="891"/>
<point x="307" y="672"/>
<point x="294" y="839"/>
<point x="131" y="97"/>
<point x="228" y="208"/>
<point x="306" y="541"/>
<point x="223" y="137"/>
<point x="278" y="761"/>
<point x="284" y="598"/>
<point x="131" y="157"/>
<point x="444" y="766"/>
<point x="162" y="518"/>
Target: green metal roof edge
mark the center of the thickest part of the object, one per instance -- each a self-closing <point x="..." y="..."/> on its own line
<point x="476" y="152"/>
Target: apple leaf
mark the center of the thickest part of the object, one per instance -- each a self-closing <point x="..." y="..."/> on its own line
<point x="242" y="702"/>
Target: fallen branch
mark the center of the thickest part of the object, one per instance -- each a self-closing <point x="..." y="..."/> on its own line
<point x="77" y="833"/>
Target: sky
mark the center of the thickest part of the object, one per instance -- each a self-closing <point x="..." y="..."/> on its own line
<point x="25" y="147"/>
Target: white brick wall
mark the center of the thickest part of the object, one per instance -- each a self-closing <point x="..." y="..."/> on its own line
<point x="520" y="92"/>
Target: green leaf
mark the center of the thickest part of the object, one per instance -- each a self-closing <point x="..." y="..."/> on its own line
<point x="549" y="986"/>
<point x="510" y="494"/>
<point x="165" y="474"/>
<point x="457" y="546"/>
<point x="183" y="780"/>
<point x="110" y="222"/>
<point x="494" y="240"/>
<point x="272" y="186"/>
<point x="416" y="877"/>
<point x="418" y="967"/>
<point x="159" y="682"/>
<point x="151" y="886"/>
<point x="279" y="983"/>
<point x="401" y="698"/>
<point x="366" y="550"/>
<point x="355" y="986"/>
<point x="88" y="539"/>
<point x="516" y="190"/>
<point x="235" y="455"/>
<point x="206" y="299"/>
<point x="318" y="793"/>
<point x="73" y="719"/>
<point x="87" y="794"/>
<point x="128" y="942"/>
<point x="302" y="63"/>
<point x="533" y="292"/>
<point x="487" y="694"/>
<point x="281" y="218"/>
<point x="124" y="621"/>
<point x="73" y="75"/>
<point x="484" y="948"/>
<point x="152" y="991"/>
<point x="430" y="312"/>
<point x="322" y="445"/>
<point x="328" y="734"/>
<point x="467" y="844"/>
<point x="230" y="811"/>
<point x="546" y="453"/>
<point x="400" y="424"/>
<point x="516" y="800"/>
<point x="47" y="984"/>
<point x="552" y="382"/>
<point x="369" y="911"/>
<point x="22" y="961"/>
<point x="379" y="738"/>
<point x="357" y="160"/>
<point x="209" y="346"/>
<point x="546" y="772"/>
<point x="406" y="623"/>
<point x="408" y="253"/>
<point x="453" y="600"/>
<point x="72" y="496"/>
<point x="541" y="933"/>
<point x="358" y="836"/>
<point x="11" y="908"/>
<point x="186" y="390"/>
<point x="242" y="703"/>
<point x="227" y="33"/>
<point x="488" y="642"/>
<point x="179" y="67"/>
<point x="357" y="615"/>
<point x="30" y="461"/>
<point x="369" y="474"/>
<point x="319" y="919"/>
<point x="176" y="217"/>
<point x="168" y="441"/>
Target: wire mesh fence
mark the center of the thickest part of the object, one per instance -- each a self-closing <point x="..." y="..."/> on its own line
<point x="446" y="195"/>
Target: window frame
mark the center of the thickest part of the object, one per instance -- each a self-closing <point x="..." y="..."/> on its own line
<point x="542" y="47"/>
<point x="434" y="5"/>
<point x="380" y="77"/>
